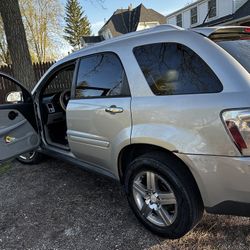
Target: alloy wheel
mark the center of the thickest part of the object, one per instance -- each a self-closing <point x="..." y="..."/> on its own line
<point x="154" y="198"/>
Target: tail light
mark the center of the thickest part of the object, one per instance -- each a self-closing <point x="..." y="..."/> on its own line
<point x="237" y="123"/>
<point x="247" y="30"/>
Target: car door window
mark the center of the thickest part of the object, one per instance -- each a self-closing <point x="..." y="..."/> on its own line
<point x="174" y="69"/>
<point x="101" y="75"/>
<point x="60" y="80"/>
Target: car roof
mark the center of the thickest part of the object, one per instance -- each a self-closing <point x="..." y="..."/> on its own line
<point x="205" y="31"/>
<point x="115" y="40"/>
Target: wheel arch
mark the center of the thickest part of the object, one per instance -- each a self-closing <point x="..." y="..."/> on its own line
<point x="130" y="152"/>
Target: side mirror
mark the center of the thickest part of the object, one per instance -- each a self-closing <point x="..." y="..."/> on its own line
<point x="14" y="97"/>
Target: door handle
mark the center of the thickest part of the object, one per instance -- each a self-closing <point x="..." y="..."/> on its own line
<point x="113" y="109"/>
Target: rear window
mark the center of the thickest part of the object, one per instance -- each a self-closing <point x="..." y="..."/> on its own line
<point x="174" y="69"/>
<point x="239" y="49"/>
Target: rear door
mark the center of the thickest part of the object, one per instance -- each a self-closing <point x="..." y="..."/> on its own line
<point x="18" y="128"/>
<point x="98" y="117"/>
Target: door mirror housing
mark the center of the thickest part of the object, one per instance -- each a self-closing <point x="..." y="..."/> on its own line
<point x="14" y="97"/>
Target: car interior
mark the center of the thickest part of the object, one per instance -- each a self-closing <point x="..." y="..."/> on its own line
<point x="54" y="98"/>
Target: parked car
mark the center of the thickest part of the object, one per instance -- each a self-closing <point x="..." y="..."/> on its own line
<point x="165" y="111"/>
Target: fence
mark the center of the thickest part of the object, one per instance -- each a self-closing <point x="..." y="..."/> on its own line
<point x="6" y="86"/>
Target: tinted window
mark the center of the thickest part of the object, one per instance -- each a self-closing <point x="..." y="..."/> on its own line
<point x="172" y="69"/>
<point x="101" y="75"/>
<point x="240" y="50"/>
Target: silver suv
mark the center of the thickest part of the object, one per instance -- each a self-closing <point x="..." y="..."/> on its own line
<point x="165" y="111"/>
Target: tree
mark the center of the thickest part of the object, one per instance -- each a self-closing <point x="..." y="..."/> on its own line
<point x="17" y="42"/>
<point x="43" y="27"/>
<point x="77" y="24"/>
<point x="4" y="51"/>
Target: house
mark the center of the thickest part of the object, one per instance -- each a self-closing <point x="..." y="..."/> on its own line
<point x="128" y="20"/>
<point x="212" y="13"/>
<point x="90" y="40"/>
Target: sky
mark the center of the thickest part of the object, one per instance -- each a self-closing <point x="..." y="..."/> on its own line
<point x="97" y="13"/>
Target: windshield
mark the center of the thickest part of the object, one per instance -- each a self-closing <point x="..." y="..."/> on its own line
<point x="239" y="49"/>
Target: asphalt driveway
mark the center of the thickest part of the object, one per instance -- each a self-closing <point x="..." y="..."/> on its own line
<point x="55" y="205"/>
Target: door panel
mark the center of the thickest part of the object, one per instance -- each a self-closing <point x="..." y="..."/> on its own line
<point x="16" y="136"/>
<point x="94" y="132"/>
<point x="18" y="128"/>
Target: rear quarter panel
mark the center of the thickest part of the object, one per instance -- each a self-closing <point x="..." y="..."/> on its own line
<point x="186" y="124"/>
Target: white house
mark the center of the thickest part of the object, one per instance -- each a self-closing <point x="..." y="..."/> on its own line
<point x="211" y="13"/>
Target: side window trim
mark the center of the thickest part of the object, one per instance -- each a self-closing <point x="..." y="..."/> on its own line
<point x="73" y="96"/>
<point x="74" y="81"/>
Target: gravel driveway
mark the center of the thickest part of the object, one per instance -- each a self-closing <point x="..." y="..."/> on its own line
<point x="55" y="205"/>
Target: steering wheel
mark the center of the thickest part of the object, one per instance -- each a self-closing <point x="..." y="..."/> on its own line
<point x="64" y="99"/>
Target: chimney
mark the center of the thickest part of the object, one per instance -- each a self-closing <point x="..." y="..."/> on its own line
<point x="130" y="7"/>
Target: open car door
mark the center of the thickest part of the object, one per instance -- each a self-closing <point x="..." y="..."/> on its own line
<point x="18" y="127"/>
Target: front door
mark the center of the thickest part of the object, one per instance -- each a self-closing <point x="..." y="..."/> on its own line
<point x="98" y="117"/>
<point x="18" y="128"/>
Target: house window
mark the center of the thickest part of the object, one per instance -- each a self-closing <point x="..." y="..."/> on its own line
<point x="179" y="20"/>
<point x="194" y="16"/>
<point x="212" y="8"/>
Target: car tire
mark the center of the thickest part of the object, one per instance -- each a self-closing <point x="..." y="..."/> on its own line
<point x="30" y="158"/>
<point x="163" y="195"/>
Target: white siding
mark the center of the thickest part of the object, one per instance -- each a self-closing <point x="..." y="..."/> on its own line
<point x="202" y="12"/>
<point x="172" y="20"/>
<point x="223" y="8"/>
<point x="186" y="19"/>
<point x="238" y="4"/>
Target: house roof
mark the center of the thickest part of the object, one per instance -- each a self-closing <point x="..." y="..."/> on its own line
<point x="126" y="20"/>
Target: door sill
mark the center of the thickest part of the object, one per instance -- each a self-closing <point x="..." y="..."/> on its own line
<point x="60" y="146"/>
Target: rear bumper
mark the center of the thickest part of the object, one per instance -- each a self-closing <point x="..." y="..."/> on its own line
<point x="224" y="182"/>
